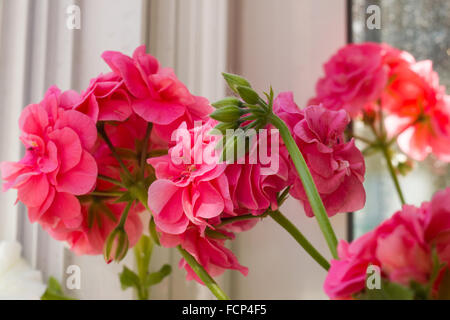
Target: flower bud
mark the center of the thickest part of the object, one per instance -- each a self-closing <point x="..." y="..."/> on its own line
<point x="234" y="81"/>
<point x="248" y="94"/>
<point x="226" y="114"/>
<point x="229" y="101"/>
<point x="116" y="246"/>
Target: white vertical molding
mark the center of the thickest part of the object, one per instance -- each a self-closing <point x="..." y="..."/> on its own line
<point x="191" y="37"/>
<point x="14" y="17"/>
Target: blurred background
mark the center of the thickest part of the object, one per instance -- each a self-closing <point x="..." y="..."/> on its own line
<point x="279" y="43"/>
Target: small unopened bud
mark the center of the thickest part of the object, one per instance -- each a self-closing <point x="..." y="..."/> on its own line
<point x="227" y="114"/>
<point x="229" y="101"/>
<point x="116" y="246"/>
<point x="248" y="94"/>
<point x="234" y="80"/>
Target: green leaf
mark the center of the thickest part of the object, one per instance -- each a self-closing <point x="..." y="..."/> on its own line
<point x="234" y="80"/>
<point x="248" y="94"/>
<point x="226" y="114"/>
<point x="156" y="277"/>
<point x="129" y="279"/>
<point x="54" y="291"/>
<point x="388" y="291"/>
<point x="229" y="101"/>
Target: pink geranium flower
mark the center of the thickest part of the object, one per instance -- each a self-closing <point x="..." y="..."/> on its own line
<point x="354" y="76"/>
<point x="57" y="165"/>
<point x="402" y="247"/>
<point x="336" y="166"/>
<point x="209" y="252"/>
<point x="106" y="99"/>
<point x="155" y="93"/>
<point x="189" y="189"/>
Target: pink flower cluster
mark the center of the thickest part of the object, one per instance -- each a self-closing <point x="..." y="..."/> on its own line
<point x="402" y="247"/>
<point x="191" y="197"/>
<point x="364" y="78"/>
<point x="60" y="177"/>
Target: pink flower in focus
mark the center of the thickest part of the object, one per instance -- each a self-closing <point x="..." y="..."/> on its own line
<point x="336" y="166"/>
<point x="155" y="93"/>
<point x="354" y="76"/>
<point x="419" y="111"/>
<point x="189" y="189"/>
<point x="210" y="253"/>
<point x="253" y="191"/>
<point x="106" y="99"/>
<point x="57" y="165"/>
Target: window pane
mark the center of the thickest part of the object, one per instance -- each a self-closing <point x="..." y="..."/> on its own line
<point x="421" y="27"/>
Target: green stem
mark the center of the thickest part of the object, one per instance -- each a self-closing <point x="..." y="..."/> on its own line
<point x="308" y="184"/>
<point x="384" y="146"/>
<point x="238" y="218"/>
<point x="144" y="149"/>
<point x="111" y="180"/>
<point x="142" y="253"/>
<point x="203" y="275"/>
<point x="300" y="238"/>
<point x="124" y="216"/>
<point x="102" y="132"/>
<point x="392" y="172"/>
<point x="106" y="194"/>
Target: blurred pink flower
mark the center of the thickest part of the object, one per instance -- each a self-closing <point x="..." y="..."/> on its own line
<point x="401" y="246"/>
<point x="418" y="111"/>
<point x="354" y="76"/>
<point x="209" y="252"/>
<point x="57" y="165"/>
<point x="192" y="190"/>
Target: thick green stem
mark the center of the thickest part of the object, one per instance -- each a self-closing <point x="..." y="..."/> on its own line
<point x="203" y="275"/>
<point x="308" y="184"/>
<point x="300" y="238"/>
<point x="392" y="172"/>
<point x="143" y="253"/>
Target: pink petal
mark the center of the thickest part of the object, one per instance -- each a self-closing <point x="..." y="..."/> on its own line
<point x="69" y="147"/>
<point x="81" y="124"/>
<point x="34" y="192"/>
<point x="80" y="179"/>
<point x="158" y="111"/>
